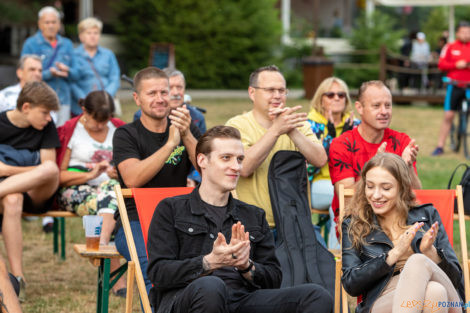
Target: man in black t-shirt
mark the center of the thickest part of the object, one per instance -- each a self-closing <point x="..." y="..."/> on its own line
<point x="28" y="134"/>
<point x="155" y="150"/>
<point x="209" y="252"/>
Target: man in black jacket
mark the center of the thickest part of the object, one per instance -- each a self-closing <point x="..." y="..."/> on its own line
<point x="209" y="252"/>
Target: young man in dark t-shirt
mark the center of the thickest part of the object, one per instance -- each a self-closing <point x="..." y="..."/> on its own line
<point x="154" y="151"/>
<point x="30" y="132"/>
<point x="350" y="151"/>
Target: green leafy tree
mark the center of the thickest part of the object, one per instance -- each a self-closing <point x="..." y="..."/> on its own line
<point x="370" y="33"/>
<point x="435" y="24"/>
<point x="217" y="43"/>
<point x="13" y="12"/>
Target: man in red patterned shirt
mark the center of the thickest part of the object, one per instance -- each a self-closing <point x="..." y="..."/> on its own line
<point x="350" y="151"/>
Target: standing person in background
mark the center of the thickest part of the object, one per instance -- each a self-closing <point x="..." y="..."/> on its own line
<point x="99" y="69"/>
<point x="455" y="60"/>
<point x="420" y="57"/>
<point x="330" y="116"/>
<point x="58" y="66"/>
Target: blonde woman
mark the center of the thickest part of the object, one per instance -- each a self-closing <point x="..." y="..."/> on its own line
<point x="99" y="69"/>
<point x="396" y="254"/>
<point x="329" y="116"/>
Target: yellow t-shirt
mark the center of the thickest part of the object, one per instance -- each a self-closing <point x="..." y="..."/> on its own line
<point x="254" y="189"/>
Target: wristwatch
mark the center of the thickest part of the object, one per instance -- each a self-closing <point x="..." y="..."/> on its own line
<point x="246" y="270"/>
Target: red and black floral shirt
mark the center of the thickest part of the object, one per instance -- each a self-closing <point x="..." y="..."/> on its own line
<point x="349" y="152"/>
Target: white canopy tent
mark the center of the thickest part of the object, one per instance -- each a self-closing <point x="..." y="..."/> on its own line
<point x="399" y="3"/>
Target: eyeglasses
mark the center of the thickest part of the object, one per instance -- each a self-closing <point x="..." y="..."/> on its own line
<point x="271" y="91"/>
<point x="331" y="94"/>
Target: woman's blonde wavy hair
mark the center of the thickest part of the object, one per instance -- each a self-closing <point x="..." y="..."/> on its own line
<point x="359" y="209"/>
<point x="324" y="86"/>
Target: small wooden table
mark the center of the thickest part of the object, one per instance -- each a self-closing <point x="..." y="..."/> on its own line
<point x="106" y="280"/>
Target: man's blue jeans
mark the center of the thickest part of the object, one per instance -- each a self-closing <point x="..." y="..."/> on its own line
<point x="121" y="246"/>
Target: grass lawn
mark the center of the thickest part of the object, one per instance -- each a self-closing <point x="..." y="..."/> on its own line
<point x="70" y="286"/>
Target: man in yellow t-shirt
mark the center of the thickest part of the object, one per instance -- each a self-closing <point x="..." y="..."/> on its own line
<point x="268" y="128"/>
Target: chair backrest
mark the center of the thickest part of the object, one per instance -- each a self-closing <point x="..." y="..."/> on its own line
<point x="147" y="199"/>
<point x="443" y="201"/>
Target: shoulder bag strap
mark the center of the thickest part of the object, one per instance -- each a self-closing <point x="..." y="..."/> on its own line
<point x="453" y="173"/>
<point x="95" y="72"/>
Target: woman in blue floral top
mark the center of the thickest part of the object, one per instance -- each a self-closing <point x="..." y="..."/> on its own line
<point x="330" y="116"/>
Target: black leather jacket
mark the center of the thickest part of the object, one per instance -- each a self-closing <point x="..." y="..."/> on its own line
<point x="181" y="233"/>
<point x="366" y="273"/>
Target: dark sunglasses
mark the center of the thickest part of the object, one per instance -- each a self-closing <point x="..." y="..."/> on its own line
<point x="331" y="94"/>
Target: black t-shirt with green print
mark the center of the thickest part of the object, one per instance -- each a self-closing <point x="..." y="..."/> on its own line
<point x="137" y="142"/>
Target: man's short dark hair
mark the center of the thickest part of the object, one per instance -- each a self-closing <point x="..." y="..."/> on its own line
<point x="38" y="94"/>
<point x="366" y="85"/>
<point x="463" y="24"/>
<point x="204" y="144"/>
<point x="148" y="73"/>
<point x="254" y="76"/>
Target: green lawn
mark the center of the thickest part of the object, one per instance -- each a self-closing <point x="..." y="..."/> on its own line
<point x="70" y="286"/>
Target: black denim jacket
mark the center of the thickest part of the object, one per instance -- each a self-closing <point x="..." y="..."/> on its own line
<point x="366" y="273"/>
<point x="180" y="234"/>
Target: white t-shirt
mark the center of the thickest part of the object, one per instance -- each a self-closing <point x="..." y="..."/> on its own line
<point x="86" y="151"/>
<point x="8" y="97"/>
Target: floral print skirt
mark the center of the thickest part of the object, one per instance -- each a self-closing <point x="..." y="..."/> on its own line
<point x="89" y="200"/>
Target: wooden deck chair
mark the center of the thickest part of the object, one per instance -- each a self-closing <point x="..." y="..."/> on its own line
<point x="146" y="200"/>
<point x="342" y="194"/>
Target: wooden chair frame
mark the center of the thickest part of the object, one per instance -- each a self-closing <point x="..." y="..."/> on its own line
<point x="120" y="195"/>
<point x="460" y="216"/>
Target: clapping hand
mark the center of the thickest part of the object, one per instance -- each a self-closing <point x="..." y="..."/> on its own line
<point x="382" y="147"/>
<point x="287" y="120"/>
<point x="410" y="153"/>
<point x="236" y="253"/>
<point x="404" y="243"/>
<point x="181" y="119"/>
<point x="428" y="239"/>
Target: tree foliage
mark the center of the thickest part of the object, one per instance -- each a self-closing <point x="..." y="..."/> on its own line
<point x="435" y="24"/>
<point x="217" y="43"/>
<point x="372" y="32"/>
